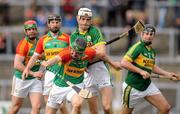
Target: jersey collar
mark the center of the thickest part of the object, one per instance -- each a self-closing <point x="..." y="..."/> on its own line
<point x="50" y="35"/>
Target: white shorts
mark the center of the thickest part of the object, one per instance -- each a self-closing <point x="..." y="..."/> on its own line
<point x="21" y="88"/>
<point x="131" y="96"/>
<point x="59" y="94"/>
<point x="48" y="82"/>
<point x="98" y="76"/>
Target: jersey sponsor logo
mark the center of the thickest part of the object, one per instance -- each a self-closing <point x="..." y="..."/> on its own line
<point x="72" y="71"/>
<point x="148" y="63"/>
<point x="144" y="61"/>
<point x="49" y="53"/>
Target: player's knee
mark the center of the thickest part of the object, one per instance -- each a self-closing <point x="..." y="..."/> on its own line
<point x="17" y="105"/>
<point x="76" y="101"/>
<point x="36" y="107"/>
<point x="15" y="108"/>
<point x="107" y="107"/>
<point x="166" y="108"/>
<point x="77" y="105"/>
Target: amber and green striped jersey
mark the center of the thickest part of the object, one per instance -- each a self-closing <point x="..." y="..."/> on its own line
<point x="71" y="70"/>
<point x="26" y="48"/>
<point x="52" y="46"/>
<point x="142" y="57"/>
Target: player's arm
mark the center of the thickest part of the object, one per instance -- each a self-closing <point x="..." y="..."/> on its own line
<point x="51" y="61"/>
<point x="99" y="44"/>
<point x="18" y="63"/>
<point x="115" y="64"/>
<point x="34" y="58"/>
<point x="129" y="57"/>
<point x="63" y="57"/>
<point x="165" y="73"/>
<point x="125" y="63"/>
<point x="100" y="51"/>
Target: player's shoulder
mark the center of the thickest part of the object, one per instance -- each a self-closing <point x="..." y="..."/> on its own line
<point x="94" y="30"/>
<point x="136" y="46"/>
<point x="22" y="41"/>
<point x="91" y="28"/>
<point x="65" y="34"/>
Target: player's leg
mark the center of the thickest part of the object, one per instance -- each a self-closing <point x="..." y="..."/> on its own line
<point x="160" y="103"/>
<point x="93" y="105"/>
<point x="15" y="105"/>
<point x="19" y="92"/>
<point x="35" y="99"/>
<point x="91" y="84"/>
<point x="75" y="100"/>
<point x="106" y="94"/>
<point x="156" y="98"/>
<point x="56" y="97"/>
<point x="126" y="110"/>
<point x="130" y="98"/>
<point x="105" y="86"/>
<point x="35" y="95"/>
<point x="50" y="110"/>
<point x="63" y="109"/>
<point x="76" y="104"/>
<point x="48" y="82"/>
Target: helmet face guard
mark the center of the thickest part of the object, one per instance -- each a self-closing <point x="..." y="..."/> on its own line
<point x="79" y="44"/>
<point x="78" y="47"/>
<point x="30" y="24"/>
<point x="85" y="12"/>
<point x="54" y="17"/>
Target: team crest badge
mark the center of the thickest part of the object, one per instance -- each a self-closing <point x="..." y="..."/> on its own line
<point x="88" y="38"/>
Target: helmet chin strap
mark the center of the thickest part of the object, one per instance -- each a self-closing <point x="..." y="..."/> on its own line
<point x="147" y="43"/>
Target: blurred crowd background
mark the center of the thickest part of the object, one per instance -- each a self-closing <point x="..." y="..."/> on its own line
<point x="112" y="17"/>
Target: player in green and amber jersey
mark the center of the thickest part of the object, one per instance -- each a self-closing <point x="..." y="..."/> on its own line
<point x="142" y="57"/>
<point x="74" y="62"/>
<point x="30" y="86"/>
<point x="140" y="63"/>
<point x="50" y="44"/>
<point x="98" y="77"/>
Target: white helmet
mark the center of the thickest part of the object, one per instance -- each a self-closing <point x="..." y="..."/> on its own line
<point x="85" y="12"/>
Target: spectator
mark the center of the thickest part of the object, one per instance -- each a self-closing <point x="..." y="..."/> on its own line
<point x="2" y="43"/>
<point x="41" y="18"/>
<point x="69" y="20"/>
<point x="130" y="21"/>
<point x="177" y="26"/>
<point x="4" y="17"/>
<point x="162" y="14"/>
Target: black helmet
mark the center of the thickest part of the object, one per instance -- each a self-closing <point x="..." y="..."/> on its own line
<point x="149" y="28"/>
<point x="54" y="17"/>
<point x="79" y="44"/>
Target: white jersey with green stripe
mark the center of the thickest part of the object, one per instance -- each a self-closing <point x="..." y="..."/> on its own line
<point x="143" y="57"/>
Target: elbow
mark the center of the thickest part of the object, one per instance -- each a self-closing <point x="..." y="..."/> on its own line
<point x="123" y="63"/>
